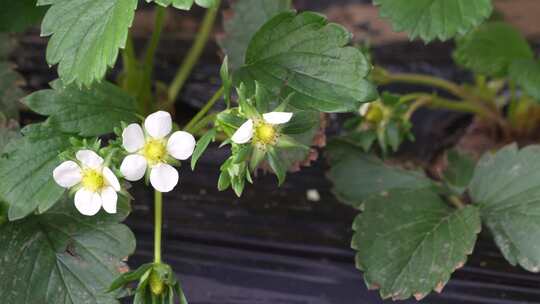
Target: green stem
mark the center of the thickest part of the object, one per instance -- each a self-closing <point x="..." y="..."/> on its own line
<point x="194" y="53"/>
<point x="209" y="104"/>
<point x="159" y="23"/>
<point x="158" y="218"/>
<point x="203" y="123"/>
<point x="456" y="201"/>
<point x="444" y="84"/>
<point x="128" y="54"/>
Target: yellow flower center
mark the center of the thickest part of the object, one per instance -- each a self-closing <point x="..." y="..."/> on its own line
<point x="265" y="133"/>
<point x="92" y="180"/>
<point x="155" y="151"/>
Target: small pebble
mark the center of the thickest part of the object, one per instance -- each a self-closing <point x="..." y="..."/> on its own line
<point x="313" y="195"/>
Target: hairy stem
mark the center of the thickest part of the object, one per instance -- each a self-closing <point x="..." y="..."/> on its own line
<point x="456" y="202"/>
<point x="158" y="218"/>
<point x="194" y="54"/>
<point x="209" y="104"/>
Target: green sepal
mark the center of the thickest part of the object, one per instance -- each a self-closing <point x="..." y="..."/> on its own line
<point x="226" y="80"/>
<point x="128" y="277"/>
<point x="202" y="145"/>
<point x="277" y="165"/>
<point x="242" y="153"/>
<point x="256" y="158"/>
<point x="224" y="181"/>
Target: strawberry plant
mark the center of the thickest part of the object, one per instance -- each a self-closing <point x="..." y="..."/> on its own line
<point x="65" y="181"/>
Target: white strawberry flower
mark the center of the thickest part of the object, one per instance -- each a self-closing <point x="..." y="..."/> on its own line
<point x="262" y="131"/>
<point x="96" y="184"/>
<point x="154" y="149"/>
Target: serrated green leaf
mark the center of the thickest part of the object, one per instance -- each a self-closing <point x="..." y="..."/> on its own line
<point x="301" y="122"/>
<point x="26" y="172"/>
<point x="459" y="171"/>
<point x="16" y="16"/>
<point x="306" y="55"/>
<point x="184" y="4"/>
<point x="409" y="242"/>
<point x="434" y="19"/>
<point x="63" y="257"/>
<point x="506" y="185"/>
<point x="86" y="36"/>
<point x="358" y="176"/>
<point x="490" y="49"/>
<point x="248" y="17"/>
<point x="526" y="74"/>
<point x="92" y="111"/>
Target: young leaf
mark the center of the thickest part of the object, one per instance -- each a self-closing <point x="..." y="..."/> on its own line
<point x="201" y="146"/>
<point x="526" y="74"/>
<point x="410" y="241"/>
<point x="305" y="55"/>
<point x="86" y="36"/>
<point x="506" y="186"/>
<point x="92" y="111"/>
<point x="248" y="17"/>
<point x="490" y="49"/>
<point x="459" y="172"/>
<point x="434" y="19"/>
<point x="76" y="256"/>
<point x="16" y="16"/>
<point x="184" y="4"/>
<point x="358" y="176"/>
<point x="26" y="172"/>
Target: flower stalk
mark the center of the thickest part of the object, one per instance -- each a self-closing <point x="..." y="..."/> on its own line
<point x="158" y="223"/>
<point x="194" y="53"/>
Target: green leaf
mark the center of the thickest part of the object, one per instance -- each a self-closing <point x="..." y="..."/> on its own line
<point x="506" y="185"/>
<point x="202" y="145"/>
<point x="86" y="36"/>
<point x="305" y="55"/>
<point x="409" y="242"/>
<point x="184" y="4"/>
<point x="358" y="176"/>
<point x="248" y="17"/>
<point x="92" y="111"/>
<point x="301" y="122"/>
<point x="26" y="172"/>
<point x="434" y="19"/>
<point x="16" y="16"/>
<point x="526" y="74"/>
<point x="63" y="257"/>
<point x="459" y="171"/>
<point x="491" y="49"/>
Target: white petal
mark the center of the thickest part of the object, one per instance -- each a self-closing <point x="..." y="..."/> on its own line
<point x="88" y="203"/>
<point x="158" y="124"/>
<point x="244" y="133"/>
<point x="133" y="167"/>
<point x="181" y="145"/>
<point x="111" y="179"/>
<point x="364" y="109"/>
<point x="164" y="177"/>
<point x="277" y="118"/>
<point x="133" y="138"/>
<point x="89" y="158"/>
<point x="109" y="198"/>
<point x="68" y="174"/>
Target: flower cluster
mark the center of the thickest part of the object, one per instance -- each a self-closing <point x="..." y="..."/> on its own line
<point x="149" y="150"/>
